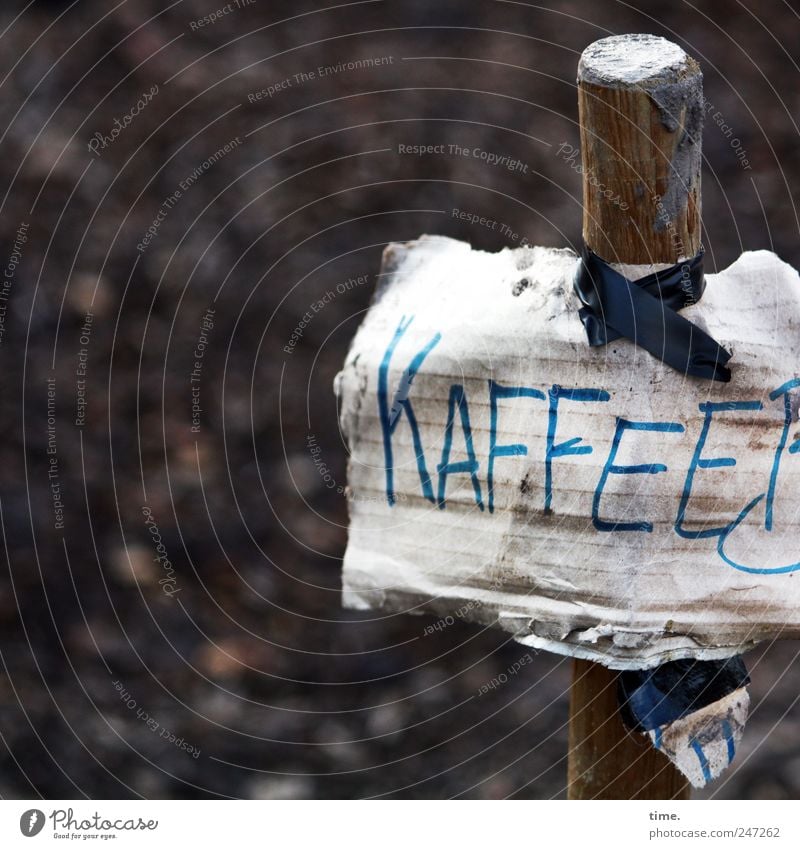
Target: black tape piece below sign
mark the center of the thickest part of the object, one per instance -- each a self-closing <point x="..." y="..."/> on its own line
<point x="645" y="311"/>
<point x="651" y="698"/>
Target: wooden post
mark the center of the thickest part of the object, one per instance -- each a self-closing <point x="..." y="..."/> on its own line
<point x="640" y="101"/>
<point x="606" y="761"/>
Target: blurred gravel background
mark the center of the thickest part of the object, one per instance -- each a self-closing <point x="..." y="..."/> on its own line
<point x="250" y="659"/>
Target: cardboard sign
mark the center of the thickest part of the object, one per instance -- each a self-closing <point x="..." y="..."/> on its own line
<point x="591" y="501"/>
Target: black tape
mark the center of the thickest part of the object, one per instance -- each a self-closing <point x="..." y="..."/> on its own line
<point x="650" y="698"/>
<point x="645" y="311"/>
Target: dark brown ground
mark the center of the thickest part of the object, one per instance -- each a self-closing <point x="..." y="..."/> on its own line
<point x="251" y="659"/>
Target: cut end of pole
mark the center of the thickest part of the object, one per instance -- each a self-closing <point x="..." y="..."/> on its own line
<point x="637" y="59"/>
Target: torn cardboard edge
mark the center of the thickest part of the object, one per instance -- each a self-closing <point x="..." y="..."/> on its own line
<point x="616" y="647"/>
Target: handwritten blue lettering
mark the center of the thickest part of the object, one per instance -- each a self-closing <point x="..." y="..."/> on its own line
<point x="700" y="462"/>
<point x="400" y="402"/>
<point x="571" y="446"/>
<point x="390" y="415"/>
<point x="470" y="465"/>
<point x="784" y="390"/>
<point x="496" y="391"/>
<point x="611" y="468"/>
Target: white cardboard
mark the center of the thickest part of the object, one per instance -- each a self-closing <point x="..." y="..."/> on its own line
<point x="627" y="598"/>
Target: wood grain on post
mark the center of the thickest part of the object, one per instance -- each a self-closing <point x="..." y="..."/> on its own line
<point x="640" y="101"/>
<point x="606" y="761"/>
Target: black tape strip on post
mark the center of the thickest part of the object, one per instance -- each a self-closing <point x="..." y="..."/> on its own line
<point x="645" y="311"/>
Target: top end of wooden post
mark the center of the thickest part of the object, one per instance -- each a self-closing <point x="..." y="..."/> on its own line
<point x="640" y="99"/>
<point x="640" y="60"/>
